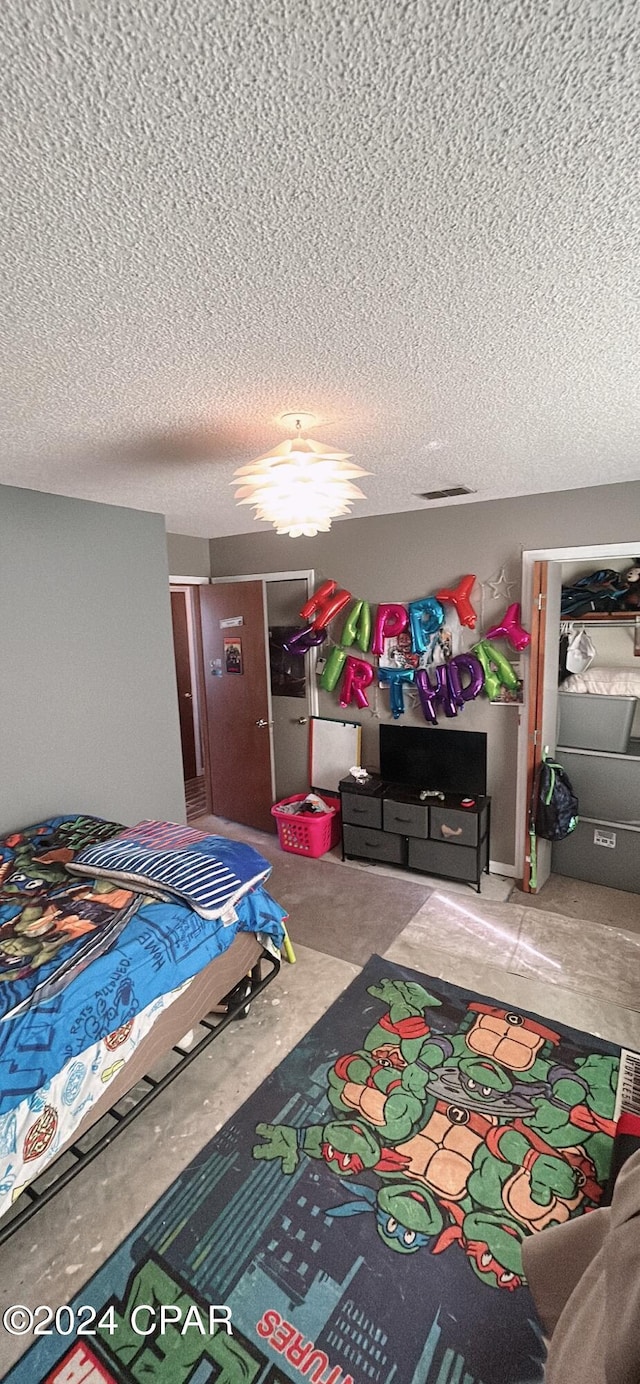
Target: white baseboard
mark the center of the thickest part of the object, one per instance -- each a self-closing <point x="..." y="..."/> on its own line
<point x="496" y="868"/>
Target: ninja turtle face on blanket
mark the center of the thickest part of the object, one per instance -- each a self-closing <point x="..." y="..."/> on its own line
<point x="41" y="930"/>
<point x="42" y="909"/>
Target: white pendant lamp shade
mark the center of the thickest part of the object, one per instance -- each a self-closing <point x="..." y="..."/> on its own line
<point x="300" y="486"/>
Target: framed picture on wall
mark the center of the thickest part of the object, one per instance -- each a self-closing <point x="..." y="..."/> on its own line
<point x="233" y="655"/>
<point x="443" y="645"/>
<point x="508" y="697"/>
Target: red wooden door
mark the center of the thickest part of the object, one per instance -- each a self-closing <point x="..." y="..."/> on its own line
<point x="237" y="702"/>
<point x="183" y="678"/>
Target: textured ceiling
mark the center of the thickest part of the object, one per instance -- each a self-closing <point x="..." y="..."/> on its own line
<point x="420" y="220"/>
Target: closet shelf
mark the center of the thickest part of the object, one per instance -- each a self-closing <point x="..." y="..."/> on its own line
<point x="632" y="753"/>
<point x="622" y="619"/>
<point x="597" y="617"/>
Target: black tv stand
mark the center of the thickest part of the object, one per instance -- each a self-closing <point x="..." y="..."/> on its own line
<point x="394" y="824"/>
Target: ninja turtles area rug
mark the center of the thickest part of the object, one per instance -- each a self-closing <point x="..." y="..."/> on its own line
<point x="362" y="1215"/>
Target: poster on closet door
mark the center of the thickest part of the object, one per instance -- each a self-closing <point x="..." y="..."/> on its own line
<point x="233" y="655"/>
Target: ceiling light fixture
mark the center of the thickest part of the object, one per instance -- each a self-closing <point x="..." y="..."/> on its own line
<point x="301" y="485"/>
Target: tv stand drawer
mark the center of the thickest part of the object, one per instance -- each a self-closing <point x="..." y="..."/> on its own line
<point x="361" y="811"/>
<point x="374" y="845"/>
<point x="438" y="858"/>
<point x="463" y="827"/>
<point x="409" y="819"/>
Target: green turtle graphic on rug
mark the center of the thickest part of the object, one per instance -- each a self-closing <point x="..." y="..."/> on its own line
<point x="478" y="1137"/>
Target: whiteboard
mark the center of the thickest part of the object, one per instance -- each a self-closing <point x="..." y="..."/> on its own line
<point x="334" y="747"/>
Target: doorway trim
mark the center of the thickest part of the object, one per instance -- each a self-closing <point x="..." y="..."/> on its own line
<point x="189" y="581"/>
<point x="529" y="557"/>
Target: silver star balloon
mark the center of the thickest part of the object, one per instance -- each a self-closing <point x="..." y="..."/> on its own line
<point x="499" y="587"/>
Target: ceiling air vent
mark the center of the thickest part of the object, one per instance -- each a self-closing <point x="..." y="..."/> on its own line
<point x="447" y="494"/>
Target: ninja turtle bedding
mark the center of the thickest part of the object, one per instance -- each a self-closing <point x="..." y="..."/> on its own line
<point x="80" y="957"/>
<point x="362" y="1215"/>
<point x="33" y="1133"/>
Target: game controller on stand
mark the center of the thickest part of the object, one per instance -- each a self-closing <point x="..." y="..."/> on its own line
<point x="431" y="793"/>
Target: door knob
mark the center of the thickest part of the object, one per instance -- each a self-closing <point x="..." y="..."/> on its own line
<point x="302" y="720"/>
<point x="262" y="723"/>
<point x="188" y="696"/>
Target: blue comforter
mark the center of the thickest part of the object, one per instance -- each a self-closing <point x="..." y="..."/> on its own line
<point x="79" y="958"/>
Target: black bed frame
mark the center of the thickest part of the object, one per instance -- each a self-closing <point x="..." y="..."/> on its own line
<point x="237" y="1004"/>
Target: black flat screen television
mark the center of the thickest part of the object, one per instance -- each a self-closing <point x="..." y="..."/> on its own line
<point x="453" y="761"/>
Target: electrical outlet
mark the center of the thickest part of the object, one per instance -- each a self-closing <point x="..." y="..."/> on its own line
<point x="605" y="838"/>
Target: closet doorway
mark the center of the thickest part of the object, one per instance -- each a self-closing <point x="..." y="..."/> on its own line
<point x="576" y="718"/>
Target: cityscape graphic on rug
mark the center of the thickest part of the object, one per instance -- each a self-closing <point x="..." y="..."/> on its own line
<point x="361" y="1216"/>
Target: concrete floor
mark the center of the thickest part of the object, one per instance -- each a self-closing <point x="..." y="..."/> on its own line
<point x="492" y="886"/>
<point x="332" y="909"/>
<point x="577" y="899"/>
<point x="573" y="970"/>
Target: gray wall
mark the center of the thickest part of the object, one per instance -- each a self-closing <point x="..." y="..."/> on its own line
<point x="188" y="557"/>
<point x="88" y="703"/>
<point x="399" y="557"/>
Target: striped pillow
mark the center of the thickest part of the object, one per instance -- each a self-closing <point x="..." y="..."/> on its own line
<point x="209" y="873"/>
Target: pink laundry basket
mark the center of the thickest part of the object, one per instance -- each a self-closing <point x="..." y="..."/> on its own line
<point x="307" y="834"/>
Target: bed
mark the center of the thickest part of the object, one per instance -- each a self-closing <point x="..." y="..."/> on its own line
<point x="100" y="977"/>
